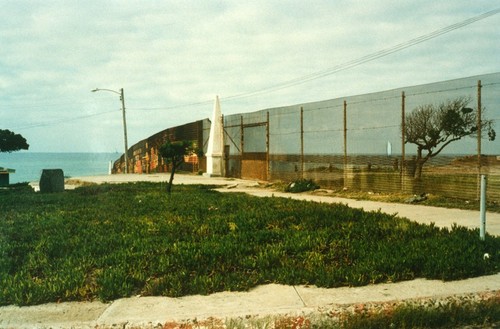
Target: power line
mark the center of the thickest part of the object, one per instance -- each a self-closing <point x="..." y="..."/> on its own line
<point x="340" y="67"/>
<point x="302" y="79"/>
<point x="65" y="120"/>
<point x="367" y="58"/>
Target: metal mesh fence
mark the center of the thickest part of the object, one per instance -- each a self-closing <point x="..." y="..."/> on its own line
<point x="357" y="142"/>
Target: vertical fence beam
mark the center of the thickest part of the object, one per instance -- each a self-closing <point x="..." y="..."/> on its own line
<point x="268" y="166"/>
<point x="302" y="142"/>
<point x="403" y="129"/>
<point x="242" y="144"/>
<point x="479" y="124"/>
<point x="479" y="133"/>
<point x="242" y="137"/>
<point x="345" y="144"/>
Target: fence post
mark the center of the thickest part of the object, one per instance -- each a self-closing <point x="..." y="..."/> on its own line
<point x="403" y="128"/>
<point x="479" y="123"/>
<point x="302" y="142"/>
<point x="268" y="166"/>
<point x="242" y="137"/>
<point x="242" y="144"/>
<point x="345" y="144"/>
<point x="482" y="209"/>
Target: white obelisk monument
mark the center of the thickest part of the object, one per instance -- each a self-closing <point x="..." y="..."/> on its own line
<point x="215" y="165"/>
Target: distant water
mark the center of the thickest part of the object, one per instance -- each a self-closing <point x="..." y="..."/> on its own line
<point x="29" y="165"/>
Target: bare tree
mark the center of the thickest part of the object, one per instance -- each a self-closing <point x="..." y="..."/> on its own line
<point x="431" y="128"/>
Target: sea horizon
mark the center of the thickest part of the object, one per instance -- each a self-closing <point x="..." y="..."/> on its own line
<point x="28" y="165"/>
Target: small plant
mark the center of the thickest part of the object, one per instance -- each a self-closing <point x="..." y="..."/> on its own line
<point x="301" y="185"/>
<point x="174" y="152"/>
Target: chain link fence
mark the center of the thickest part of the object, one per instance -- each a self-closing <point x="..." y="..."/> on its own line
<point x="353" y="143"/>
<point x="357" y="143"/>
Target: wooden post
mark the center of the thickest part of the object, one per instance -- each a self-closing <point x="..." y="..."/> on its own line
<point x="345" y="143"/>
<point x="479" y="132"/>
<point x="268" y="173"/>
<point x="479" y="124"/>
<point x="242" y="138"/>
<point x="403" y="129"/>
<point x="242" y="144"/>
<point x="302" y="142"/>
<point x="225" y="153"/>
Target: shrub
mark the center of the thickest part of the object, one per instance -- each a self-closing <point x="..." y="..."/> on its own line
<point x="301" y="185"/>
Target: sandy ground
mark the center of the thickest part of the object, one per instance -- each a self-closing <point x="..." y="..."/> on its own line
<point x="267" y="300"/>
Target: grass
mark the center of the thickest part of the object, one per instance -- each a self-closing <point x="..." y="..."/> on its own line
<point x="111" y="241"/>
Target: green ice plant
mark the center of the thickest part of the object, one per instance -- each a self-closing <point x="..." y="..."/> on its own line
<point x="112" y="241"/>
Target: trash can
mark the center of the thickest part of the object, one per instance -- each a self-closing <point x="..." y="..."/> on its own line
<point x="4" y="176"/>
<point x="52" y="180"/>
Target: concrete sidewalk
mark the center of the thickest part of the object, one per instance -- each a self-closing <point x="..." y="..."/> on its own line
<point x="269" y="300"/>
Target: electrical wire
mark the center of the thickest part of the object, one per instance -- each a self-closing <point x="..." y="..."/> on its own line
<point x="367" y="58"/>
<point x="305" y="78"/>
<point x="56" y="122"/>
<point x="340" y="67"/>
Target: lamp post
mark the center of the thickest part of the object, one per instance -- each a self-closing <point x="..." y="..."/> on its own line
<point x="122" y="98"/>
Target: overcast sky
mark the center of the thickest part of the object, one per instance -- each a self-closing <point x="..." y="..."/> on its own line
<point x="173" y="57"/>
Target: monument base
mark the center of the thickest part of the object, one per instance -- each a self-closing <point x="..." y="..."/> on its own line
<point x="211" y="175"/>
<point x="214" y="166"/>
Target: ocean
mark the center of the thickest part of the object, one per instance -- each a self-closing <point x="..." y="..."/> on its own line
<point x="29" y="165"/>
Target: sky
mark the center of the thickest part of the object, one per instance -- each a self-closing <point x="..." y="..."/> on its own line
<point x="173" y="57"/>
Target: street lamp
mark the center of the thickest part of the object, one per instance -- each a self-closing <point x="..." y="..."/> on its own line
<point x="122" y="98"/>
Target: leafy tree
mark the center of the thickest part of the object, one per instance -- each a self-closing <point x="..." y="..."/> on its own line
<point x="173" y="153"/>
<point x="431" y="128"/>
<point x="11" y="142"/>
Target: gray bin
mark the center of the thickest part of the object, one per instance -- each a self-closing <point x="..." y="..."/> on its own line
<point x="52" y="180"/>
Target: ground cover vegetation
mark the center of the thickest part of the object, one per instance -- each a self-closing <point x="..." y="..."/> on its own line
<point x="111" y="241"/>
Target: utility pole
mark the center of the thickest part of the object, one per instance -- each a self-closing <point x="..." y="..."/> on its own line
<point x="122" y="99"/>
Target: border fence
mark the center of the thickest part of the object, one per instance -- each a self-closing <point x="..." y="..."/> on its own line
<point x="357" y="142"/>
<point x="144" y="156"/>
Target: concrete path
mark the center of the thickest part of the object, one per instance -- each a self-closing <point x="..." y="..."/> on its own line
<point x="268" y="300"/>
